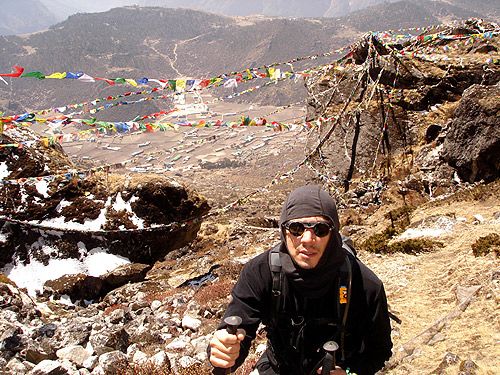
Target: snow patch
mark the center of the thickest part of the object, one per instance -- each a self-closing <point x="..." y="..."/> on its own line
<point x="121" y="205"/>
<point x="63" y="203"/>
<point x="437" y="228"/>
<point x="3" y="238"/>
<point x="42" y="187"/>
<point x="32" y="276"/>
<point x="4" y="170"/>
<point x="99" y="263"/>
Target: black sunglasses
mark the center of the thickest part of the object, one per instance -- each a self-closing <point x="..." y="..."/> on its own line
<point x="297" y="228"/>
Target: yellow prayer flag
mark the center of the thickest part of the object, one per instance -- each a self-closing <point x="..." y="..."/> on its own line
<point x="131" y="81"/>
<point x="57" y="75"/>
<point x="180" y="85"/>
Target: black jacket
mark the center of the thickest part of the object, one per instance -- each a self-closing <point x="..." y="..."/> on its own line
<point x="368" y="341"/>
<point x="312" y="313"/>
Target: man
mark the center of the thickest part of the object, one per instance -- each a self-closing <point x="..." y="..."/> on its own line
<point x="325" y="294"/>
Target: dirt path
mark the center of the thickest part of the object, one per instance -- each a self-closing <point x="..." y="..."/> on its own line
<point x="423" y="289"/>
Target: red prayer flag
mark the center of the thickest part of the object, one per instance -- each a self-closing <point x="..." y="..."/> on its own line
<point x="108" y="81"/>
<point x="18" y="70"/>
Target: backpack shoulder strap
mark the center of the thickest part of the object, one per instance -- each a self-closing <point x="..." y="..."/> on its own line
<point x="348" y="245"/>
<point x="277" y="278"/>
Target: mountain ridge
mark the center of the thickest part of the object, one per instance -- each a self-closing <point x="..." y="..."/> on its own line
<point x="53" y="11"/>
<point x="138" y="42"/>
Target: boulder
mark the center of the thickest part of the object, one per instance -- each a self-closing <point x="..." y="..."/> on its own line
<point x="113" y="361"/>
<point x="76" y="354"/>
<point x="127" y="273"/>
<point x="472" y="143"/>
<point x="78" y="287"/>
<point x="142" y="218"/>
<point x="49" y="367"/>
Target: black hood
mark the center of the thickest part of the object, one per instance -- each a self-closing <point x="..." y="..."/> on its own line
<point x="311" y="200"/>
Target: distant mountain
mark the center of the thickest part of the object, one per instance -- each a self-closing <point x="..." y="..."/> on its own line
<point x="422" y="12"/>
<point x="39" y="14"/>
<point x="25" y="16"/>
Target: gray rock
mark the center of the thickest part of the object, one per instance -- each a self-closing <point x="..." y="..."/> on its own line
<point x="127" y="273"/>
<point x="139" y="357"/>
<point x="472" y="143"/>
<point x="468" y="367"/>
<point x="48" y="367"/>
<point x="76" y="354"/>
<point x="15" y="367"/>
<point x="116" y="316"/>
<point x="188" y="322"/>
<point x="78" y="287"/>
<point x="113" y="361"/>
<point x="109" y="339"/>
<point x="160" y="360"/>
<point x="91" y="362"/>
<point x="73" y="332"/>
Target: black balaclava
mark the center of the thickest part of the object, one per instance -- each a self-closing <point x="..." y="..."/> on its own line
<point x="311" y="200"/>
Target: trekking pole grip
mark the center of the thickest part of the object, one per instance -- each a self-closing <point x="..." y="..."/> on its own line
<point x="330" y="347"/>
<point x="233" y="322"/>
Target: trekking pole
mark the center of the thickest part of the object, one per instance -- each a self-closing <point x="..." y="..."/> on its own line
<point x="233" y="322"/>
<point x="330" y="347"/>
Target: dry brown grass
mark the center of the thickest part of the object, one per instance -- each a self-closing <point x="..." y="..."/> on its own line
<point x="4" y="279"/>
<point x="485" y="245"/>
<point x="213" y="293"/>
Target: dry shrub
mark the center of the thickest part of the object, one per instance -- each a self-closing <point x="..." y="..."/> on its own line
<point x="110" y="309"/>
<point x="400" y="217"/>
<point x="161" y="295"/>
<point x="230" y="270"/>
<point x="480" y="192"/>
<point x="485" y="245"/>
<point x="141" y="369"/>
<point x="414" y="246"/>
<point x="4" y="279"/>
<point x="196" y="369"/>
<point x="214" y="292"/>
<point x="379" y="244"/>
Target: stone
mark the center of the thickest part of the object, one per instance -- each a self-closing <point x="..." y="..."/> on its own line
<point x="155" y="305"/>
<point x="109" y="339"/>
<point x="127" y="273"/>
<point x="112" y="361"/>
<point x="186" y="361"/>
<point x="160" y="359"/>
<point x="116" y="316"/>
<point x="76" y="354"/>
<point x="472" y="142"/>
<point x="468" y="367"/>
<point x="48" y="367"/>
<point x="37" y="354"/>
<point x="77" y="287"/>
<point x="139" y="357"/>
<point x="16" y="367"/>
<point x="188" y="322"/>
<point x="91" y="362"/>
<point x="178" y="344"/>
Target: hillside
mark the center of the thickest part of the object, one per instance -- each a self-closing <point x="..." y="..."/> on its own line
<point x="168" y="43"/>
<point x="46" y="12"/>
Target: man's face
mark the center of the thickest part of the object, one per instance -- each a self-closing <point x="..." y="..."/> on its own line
<point x="307" y="249"/>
